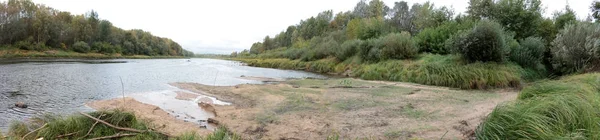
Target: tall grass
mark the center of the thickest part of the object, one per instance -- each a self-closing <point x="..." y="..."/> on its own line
<point x="565" y="109"/>
<point x="446" y="71"/>
<point x="428" y="69"/>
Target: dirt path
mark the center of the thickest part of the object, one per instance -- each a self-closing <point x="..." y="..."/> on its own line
<point x="160" y="119"/>
<point x="350" y="108"/>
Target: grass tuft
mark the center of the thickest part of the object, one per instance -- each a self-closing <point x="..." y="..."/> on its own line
<point x="563" y="109"/>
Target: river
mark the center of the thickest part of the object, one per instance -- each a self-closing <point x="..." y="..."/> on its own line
<point x="62" y="87"/>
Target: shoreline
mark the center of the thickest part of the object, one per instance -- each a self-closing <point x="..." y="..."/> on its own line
<point x="60" y="54"/>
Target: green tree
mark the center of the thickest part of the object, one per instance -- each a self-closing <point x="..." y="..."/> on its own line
<point x="596" y="10"/>
<point x="481" y="9"/>
<point x="564" y="17"/>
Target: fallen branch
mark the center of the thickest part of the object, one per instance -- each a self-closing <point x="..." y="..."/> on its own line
<point x="118" y="135"/>
<point x="92" y="128"/>
<point x="66" y="135"/>
<point x="34" y="131"/>
<point x="113" y="126"/>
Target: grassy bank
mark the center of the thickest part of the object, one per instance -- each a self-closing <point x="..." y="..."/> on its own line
<point x="568" y="108"/>
<point x="82" y="127"/>
<point x="428" y="69"/>
<point x="17" y="53"/>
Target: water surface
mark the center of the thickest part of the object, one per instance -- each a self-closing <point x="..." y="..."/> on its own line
<point x="64" y="86"/>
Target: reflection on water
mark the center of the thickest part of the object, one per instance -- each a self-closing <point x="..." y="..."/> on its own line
<point x="63" y="87"/>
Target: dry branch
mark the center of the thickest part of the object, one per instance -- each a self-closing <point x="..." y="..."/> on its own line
<point x="66" y="135"/>
<point x="34" y="131"/>
<point x="118" y="135"/>
<point x="113" y="126"/>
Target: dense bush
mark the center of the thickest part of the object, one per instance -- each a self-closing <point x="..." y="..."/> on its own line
<point x="347" y="49"/>
<point x="432" y="40"/>
<point x="563" y="109"/>
<point x="485" y="43"/>
<point x="529" y="53"/>
<point x="25" y="45"/>
<point x="398" y="46"/>
<point x="577" y="48"/>
<point x="81" y="47"/>
<point x="370" y="50"/>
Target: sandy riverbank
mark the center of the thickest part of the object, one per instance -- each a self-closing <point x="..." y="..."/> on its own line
<point x="350" y="108"/>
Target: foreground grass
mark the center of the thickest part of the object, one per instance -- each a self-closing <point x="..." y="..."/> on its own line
<point x="16" y="53"/>
<point x="77" y="127"/>
<point x="568" y="108"/>
<point x="428" y="69"/>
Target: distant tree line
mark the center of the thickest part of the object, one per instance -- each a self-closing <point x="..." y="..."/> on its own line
<point x="490" y="30"/>
<point x="31" y="26"/>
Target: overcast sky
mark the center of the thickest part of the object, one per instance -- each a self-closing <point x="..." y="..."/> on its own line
<point x="224" y="26"/>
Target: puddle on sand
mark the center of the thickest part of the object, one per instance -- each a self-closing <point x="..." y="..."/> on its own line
<point x="187" y="110"/>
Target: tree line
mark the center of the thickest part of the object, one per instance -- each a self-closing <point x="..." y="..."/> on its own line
<point x="490" y="30"/>
<point x="29" y="26"/>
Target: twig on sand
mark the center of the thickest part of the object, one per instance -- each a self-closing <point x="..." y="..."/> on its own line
<point x="444" y="135"/>
<point x="113" y="126"/>
<point x="118" y="135"/>
<point x="34" y="131"/>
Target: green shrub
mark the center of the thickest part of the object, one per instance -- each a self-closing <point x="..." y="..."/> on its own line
<point x="398" y="46"/>
<point x="293" y="53"/>
<point x="81" y="47"/>
<point x="348" y="49"/>
<point x="485" y="43"/>
<point x="529" y="53"/>
<point x="577" y="48"/>
<point x="432" y="40"/>
<point x="563" y="109"/>
<point x="24" y="45"/>
<point x="370" y="50"/>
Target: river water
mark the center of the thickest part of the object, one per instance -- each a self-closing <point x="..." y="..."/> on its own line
<point x="62" y="87"/>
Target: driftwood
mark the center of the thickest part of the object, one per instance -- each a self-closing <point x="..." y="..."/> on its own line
<point x="118" y="135"/>
<point x="34" y="131"/>
<point x="113" y="126"/>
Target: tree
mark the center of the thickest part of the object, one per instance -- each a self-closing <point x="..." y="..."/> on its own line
<point x="596" y="10"/>
<point x="400" y="16"/>
<point x="520" y="16"/>
<point x="104" y="31"/>
<point x="361" y="9"/>
<point x="564" y="17"/>
<point x="480" y="8"/>
<point x="25" y="25"/>
<point x="377" y="9"/>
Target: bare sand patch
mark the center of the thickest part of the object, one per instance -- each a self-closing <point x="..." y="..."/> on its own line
<point x="307" y="109"/>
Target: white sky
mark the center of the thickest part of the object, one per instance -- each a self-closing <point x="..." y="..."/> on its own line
<point x="224" y="26"/>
